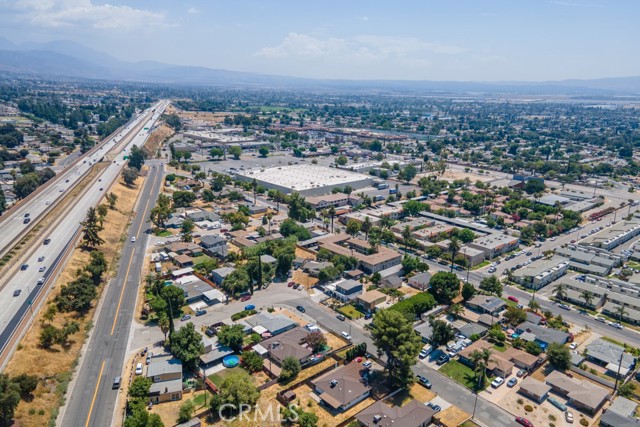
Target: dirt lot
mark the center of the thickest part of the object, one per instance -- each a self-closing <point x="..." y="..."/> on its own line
<point x="304" y="279"/>
<point x="156" y="139"/>
<point x="57" y="364"/>
<point x="204" y="116"/>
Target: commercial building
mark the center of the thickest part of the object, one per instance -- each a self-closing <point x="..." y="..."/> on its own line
<point x="614" y="235"/>
<point x="542" y="272"/>
<point x="308" y="180"/>
<point x="495" y="244"/>
<point x="329" y="200"/>
<point x="343" y="244"/>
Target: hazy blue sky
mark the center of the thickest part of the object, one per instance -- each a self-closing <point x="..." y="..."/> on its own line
<point x="373" y="39"/>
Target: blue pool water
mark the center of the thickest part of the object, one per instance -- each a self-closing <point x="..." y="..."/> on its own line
<point x="231" y="361"/>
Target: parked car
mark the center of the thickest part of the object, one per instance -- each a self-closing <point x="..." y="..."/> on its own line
<point x="341" y="317"/>
<point x="139" y="369"/>
<point x="185" y="318"/>
<point x="573" y="345"/>
<point x="512" y="382"/>
<point x="442" y="359"/>
<point x="497" y="382"/>
<point x="245" y="298"/>
<point x="568" y="416"/>
<point x="423" y="354"/>
<point x="523" y="421"/>
<point x="512" y="298"/>
<point x="301" y="309"/>
<point x="201" y="312"/>
<point x="435" y="407"/>
<point x="249" y="307"/>
<point x="368" y="364"/>
<point x="601" y="319"/>
<point x="424" y="381"/>
<point x="290" y="284"/>
<point x="345" y="335"/>
<point x="565" y="307"/>
<point x="521" y="373"/>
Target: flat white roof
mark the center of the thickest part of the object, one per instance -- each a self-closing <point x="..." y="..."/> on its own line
<point x="304" y="177"/>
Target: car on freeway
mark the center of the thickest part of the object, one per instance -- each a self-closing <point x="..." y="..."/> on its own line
<point x="40" y="259"/>
<point x="24" y="267"/>
<point x="341" y="317"/>
<point x="249" y="307"/>
<point x="17" y="292"/>
<point x="497" y="382"/>
<point x="512" y="382"/>
<point x="26" y="221"/>
<point x="185" y="318"/>
<point x="345" y="335"/>
<point x="41" y="269"/>
<point x="201" y="312"/>
<point x="523" y="421"/>
<point x="512" y="298"/>
<point x="47" y="203"/>
<point x="41" y="281"/>
<point x="245" y="298"/>
<point x="568" y="416"/>
<point x="46" y="241"/>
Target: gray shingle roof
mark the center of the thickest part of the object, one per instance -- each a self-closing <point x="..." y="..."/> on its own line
<point x="608" y="352"/>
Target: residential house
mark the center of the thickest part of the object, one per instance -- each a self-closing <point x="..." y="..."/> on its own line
<point x="411" y="414"/>
<point x="420" y="281"/>
<point x="612" y="419"/>
<point x="166" y="373"/>
<point x="370" y="263"/>
<point x="534" y="389"/>
<point x="582" y="394"/>
<point x="486" y="304"/>
<point x="497" y="364"/>
<point x="219" y="274"/>
<point x="329" y="200"/>
<point x="193" y="288"/>
<point x="590" y="260"/>
<point x="288" y="344"/>
<point x="193" y="422"/>
<point x="471" y="329"/>
<point x="344" y="290"/>
<point x="392" y="282"/>
<point x="274" y="324"/>
<point x="607" y="354"/>
<point x="343" y="387"/>
<point x="214" y="245"/>
<point x="623" y="406"/>
<point x="183" y="261"/>
<point x="541" y="335"/>
<point x="575" y="290"/>
<point x="425" y="331"/>
<point x="369" y="300"/>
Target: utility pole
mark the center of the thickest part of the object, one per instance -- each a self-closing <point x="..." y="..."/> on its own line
<point x="615" y="387"/>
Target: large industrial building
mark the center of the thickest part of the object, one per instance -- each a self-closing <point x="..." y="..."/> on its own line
<point x="308" y="180"/>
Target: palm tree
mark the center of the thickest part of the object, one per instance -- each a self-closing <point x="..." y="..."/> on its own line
<point x="533" y="305"/>
<point x="621" y="312"/>
<point x="366" y="227"/>
<point x="560" y="291"/>
<point x="480" y="360"/>
<point x="587" y="297"/>
<point x="332" y="215"/>
<point x="385" y="222"/>
<point x="406" y="236"/>
<point x="456" y="310"/>
<point x="454" y="247"/>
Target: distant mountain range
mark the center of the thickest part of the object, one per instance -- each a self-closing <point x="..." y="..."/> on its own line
<point x="67" y="59"/>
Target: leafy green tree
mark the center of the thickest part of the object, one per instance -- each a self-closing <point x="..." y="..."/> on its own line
<point x="491" y="285"/>
<point x="444" y="286"/>
<point x="9" y="399"/>
<point x="186" y="345"/>
<point x="290" y="227"/>
<point x="353" y="227"/>
<point x="97" y="267"/>
<point x="300" y="209"/>
<point x="264" y="151"/>
<point x="187" y="226"/>
<point x="468" y="291"/>
<point x="290" y="368"/>
<point x="441" y="332"/>
<point x="48" y="336"/>
<point x="231" y="336"/>
<point x="237" y="281"/>
<point x="627" y="390"/>
<point x="91" y="228"/>
<point x="27" y="383"/>
<point x="136" y="158"/>
<point x="341" y="160"/>
<point x="408" y="173"/>
<point x="140" y="417"/>
<point x="393" y="335"/>
<point x="515" y="316"/>
<point x="316" y="340"/>
<point x="174" y="298"/>
<point x="236" y="389"/>
<point x="183" y="199"/>
<point x="162" y="211"/>
<point x="185" y="413"/>
<point x="559" y="356"/>
<point x="26" y="184"/>
<point x="252" y="361"/>
<point x="174" y="121"/>
<point x="235" y="151"/>
<point x="76" y="295"/>
<point x="3" y="202"/>
<point x="533" y="348"/>
<point x="466" y="235"/>
<point x="308" y="419"/>
<point x="129" y="175"/>
<point x="139" y="388"/>
<point x="216" y="152"/>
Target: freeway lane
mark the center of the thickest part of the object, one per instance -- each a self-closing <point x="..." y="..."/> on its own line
<point x="41" y="256"/>
<point x="12" y="225"/>
<point x="91" y="400"/>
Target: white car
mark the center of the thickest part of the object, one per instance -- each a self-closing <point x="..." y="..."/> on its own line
<point x="139" y="369"/>
<point x="133" y="239"/>
<point x="573" y="346"/>
<point x="497" y="382"/>
<point x="568" y="416"/>
<point x="346" y="336"/>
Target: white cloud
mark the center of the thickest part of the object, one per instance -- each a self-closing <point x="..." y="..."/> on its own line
<point x="364" y="47"/>
<point x="193" y="11"/>
<point x="79" y="13"/>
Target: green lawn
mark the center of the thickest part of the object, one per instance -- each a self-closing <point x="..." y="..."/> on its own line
<point x="482" y="264"/>
<point x="200" y="397"/>
<point x="219" y="376"/>
<point x="461" y="374"/>
<point x="162" y="233"/>
<point x="350" y="312"/>
<point x="500" y="348"/>
<point x="201" y="259"/>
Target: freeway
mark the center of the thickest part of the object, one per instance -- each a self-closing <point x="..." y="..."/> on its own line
<point x="91" y="400"/>
<point x="18" y="291"/>
<point x="12" y="224"/>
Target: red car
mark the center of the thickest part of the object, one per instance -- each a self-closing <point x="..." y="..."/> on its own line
<point x="290" y="284"/>
<point x="525" y="422"/>
<point x="245" y="298"/>
<point x="512" y="298"/>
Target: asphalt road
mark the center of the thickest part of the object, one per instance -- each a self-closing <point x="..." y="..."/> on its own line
<point x="91" y="400"/>
<point x="26" y="281"/>
<point x="12" y="225"/>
